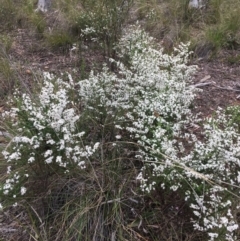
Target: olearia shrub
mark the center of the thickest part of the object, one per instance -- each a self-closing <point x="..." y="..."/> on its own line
<point x="48" y="141"/>
<point x="207" y="176"/>
<point x="144" y="107"/>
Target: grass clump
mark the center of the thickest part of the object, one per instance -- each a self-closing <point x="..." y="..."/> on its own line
<point x="77" y="149"/>
<point x="59" y="40"/>
<point x="7" y="77"/>
<point x="6" y="43"/>
<point x="22" y="13"/>
<point x="225" y="32"/>
<point x="32" y="19"/>
<point x="8" y="15"/>
<point x="213" y="24"/>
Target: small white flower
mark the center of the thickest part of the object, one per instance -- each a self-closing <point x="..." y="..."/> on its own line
<point x="213" y="235"/>
<point x="224" y="220"/>
<point x="5" y="154"/>
<point x="15" y="204"/>
<point x="5" y="192"/>
<point x="9" y="169"/>
<point x="82" y="164"/>
<point x="23" y="190"/>
<point x="96" y="145"/>
<point x="174" y="188"/>
<point x="233" y="227"/>
<point x="59" y="161"/>
<point x="48" y="153"/>
<point x="49" y="160"/>
<point x="31" y="159"/>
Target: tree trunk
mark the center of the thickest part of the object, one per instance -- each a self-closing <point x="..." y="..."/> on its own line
<point x="196" y="3"/>
<point x="44" y="5"/>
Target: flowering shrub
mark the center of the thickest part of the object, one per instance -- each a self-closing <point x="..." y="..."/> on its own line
<point x="48" y="139"/>
<point x="155" y="84"/>
<point x="148" y="103"/>
<point x="211" y="161"/>
<point x="206" y="174"/>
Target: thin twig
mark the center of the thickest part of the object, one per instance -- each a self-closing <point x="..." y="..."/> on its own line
<point x="202" y="84"/>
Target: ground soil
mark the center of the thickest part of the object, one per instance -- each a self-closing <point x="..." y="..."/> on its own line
<point x="222" y="80"/>
<point x="217" y="77"/>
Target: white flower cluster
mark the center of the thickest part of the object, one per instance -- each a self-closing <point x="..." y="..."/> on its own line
<point x="217" y="158"/>
<point x="147" y="85"/>
<point x="97" y="27"/>
<point x="48" y="132"/>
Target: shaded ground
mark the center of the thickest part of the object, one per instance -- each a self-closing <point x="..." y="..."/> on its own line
<point x="219" y="80"/>
<point x="222" y="80"/>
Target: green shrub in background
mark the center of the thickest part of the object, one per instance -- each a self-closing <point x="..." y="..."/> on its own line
<point x="225" y="32"/>
<point x="101" y="22"/>
<point x="15" y="14"/>
<point x="8" y="13"/>
<point x="213" y="25"/>
<point x="60" y="40"/>
<point x="7" y="77"/>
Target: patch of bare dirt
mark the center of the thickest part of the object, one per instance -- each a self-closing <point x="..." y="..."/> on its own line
<point x="220" y="83"/>
<point x="30" y="55"/>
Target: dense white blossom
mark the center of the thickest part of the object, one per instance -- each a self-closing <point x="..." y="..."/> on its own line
<point x="149" y="99"/>
<point x="46" y="128"/>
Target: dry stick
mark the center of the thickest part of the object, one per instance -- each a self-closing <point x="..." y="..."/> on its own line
<point x="202" y="84"/>
<point x="225" y="88"/>
<point x="8" y="229"/>
<point x="213" y="83"/>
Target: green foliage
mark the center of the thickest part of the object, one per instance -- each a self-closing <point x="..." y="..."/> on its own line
<point x="20" y="13"/>
<point x="213" y="12"/>
<point x="8" y="12"/>
<point x="76" y="148"/>
<point x="28" y="18"/>
<point x="5" y="43"/>
<point x="101" y="21"/>
<point x="216" y="22"/>
<point x="59" y="40"/>
<point x="234" y="112"/>
<point x="156" y="14"/>
<point x="38" y="22"/>
<point x="7" y="77"/>
<point x="216" y="37"/>
<point x="234" y="59"/>
<point x="225" y="33"/>
<point x="61" y="191"/>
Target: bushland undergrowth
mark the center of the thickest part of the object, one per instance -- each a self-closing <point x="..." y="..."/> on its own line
<point x="101" y="138"/>
<point x="110" y="156"/>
